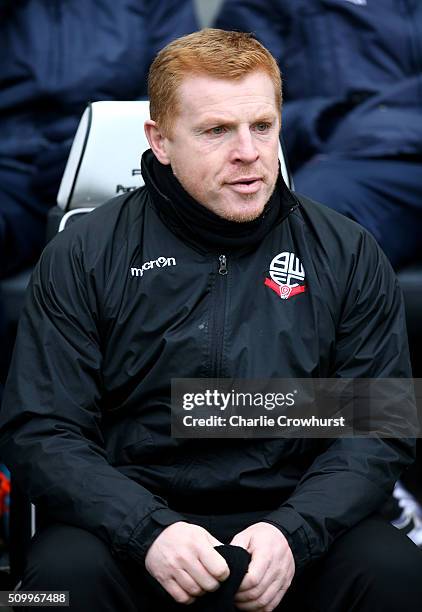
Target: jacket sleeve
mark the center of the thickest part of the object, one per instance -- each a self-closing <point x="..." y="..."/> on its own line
<point x="51" y="421"/>
<point x="352" y="477"/>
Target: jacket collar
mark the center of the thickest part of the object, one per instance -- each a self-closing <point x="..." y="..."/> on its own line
<point x="200" y="227"/>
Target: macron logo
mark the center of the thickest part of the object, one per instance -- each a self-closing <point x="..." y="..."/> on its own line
<point x="161" y="262"/>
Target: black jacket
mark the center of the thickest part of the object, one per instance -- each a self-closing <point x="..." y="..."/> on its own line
<point x="85" y="419"/>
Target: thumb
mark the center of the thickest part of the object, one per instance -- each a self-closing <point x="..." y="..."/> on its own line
<point x="213" y="541"/>
<point x="241" y="539"/>
<point x="216" y="563"/>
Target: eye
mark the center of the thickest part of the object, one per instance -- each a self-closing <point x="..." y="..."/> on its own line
<point x="217" y="130"/>
<point x="262" y="126"/>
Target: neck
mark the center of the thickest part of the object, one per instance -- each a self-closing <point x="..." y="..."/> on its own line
<point x="195" y="223"/>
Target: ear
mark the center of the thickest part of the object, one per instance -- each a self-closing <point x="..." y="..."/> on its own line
<point x="157" y="141"/>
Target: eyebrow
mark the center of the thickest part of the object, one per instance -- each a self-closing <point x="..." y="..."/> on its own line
<point x="215" y="120"/>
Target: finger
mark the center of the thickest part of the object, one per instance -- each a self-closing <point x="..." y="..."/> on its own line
<point x="274" y="580"/>
<point x="176" y="591"/>
<point x="257" y="570"/>
<point x="201" y="576"/>
<point x="277" y="598"/>
<point x="214" y="563"/>
<point x="213" y="541"/>
<point x="257" y="586"/>
<point x="265" y="592"/>
<point x="188" y="583"/>
<point x="257" y="591"/>
<point x="267" y="602"/>
<point x="241" y="539"/>
<point x="279" y="593"/>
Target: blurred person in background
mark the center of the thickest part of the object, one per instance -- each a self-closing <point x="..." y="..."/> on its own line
<point x="56" y="56"/>
<point x="352" y="111"/>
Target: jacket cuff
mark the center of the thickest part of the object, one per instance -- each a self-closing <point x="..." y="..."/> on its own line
<point x="148" y="530"/>
<point x="291" y="525"/>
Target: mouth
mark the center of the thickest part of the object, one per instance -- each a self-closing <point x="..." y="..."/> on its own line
<point x="247" y="185"/>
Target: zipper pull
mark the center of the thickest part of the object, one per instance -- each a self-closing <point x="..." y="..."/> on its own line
<point x="223" y="265"/>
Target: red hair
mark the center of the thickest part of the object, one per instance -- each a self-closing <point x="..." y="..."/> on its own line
<point x="216" y="53"/>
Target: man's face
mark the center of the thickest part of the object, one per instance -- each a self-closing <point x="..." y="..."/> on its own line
<point x="224" y="143"/>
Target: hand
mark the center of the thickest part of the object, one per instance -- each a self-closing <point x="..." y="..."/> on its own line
<point x="270" y="571"/>
<point x="185" y="563"/>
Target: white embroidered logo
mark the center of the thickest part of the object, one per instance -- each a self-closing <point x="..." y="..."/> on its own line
<point x="286" y="269"/>
<point x="161" y="262"/>
<point x="287" y="275"/>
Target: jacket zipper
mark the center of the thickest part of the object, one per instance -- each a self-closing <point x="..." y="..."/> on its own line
<point x="223" y="265"/>
<point x="219" y="312"/>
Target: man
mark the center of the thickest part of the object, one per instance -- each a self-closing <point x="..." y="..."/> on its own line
<point x="170" y="281"/>
<point x="352" y="106"/>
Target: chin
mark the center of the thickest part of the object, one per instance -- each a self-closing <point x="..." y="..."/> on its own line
<point x="242" y="217"/>
<point x="242" y="214"/>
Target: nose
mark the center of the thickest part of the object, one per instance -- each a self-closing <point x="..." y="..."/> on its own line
<point x="244" y="147"/>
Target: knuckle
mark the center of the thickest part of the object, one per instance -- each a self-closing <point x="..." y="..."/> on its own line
<point x="253" y="594"/>
<point x="261" y="602"/>
<point x="222" y="573"/>
<point x="179" y="559"/>
<point x="195" y="590"/>
<point x="253" y="581"/>
<point x="182" y="598"/>
<point x="212" y="585"/>
<point x="267" y="602"/>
